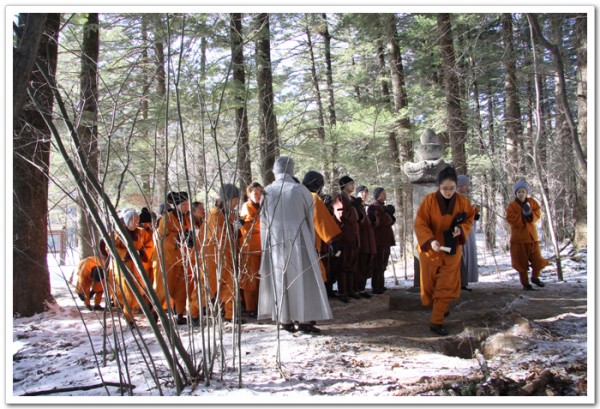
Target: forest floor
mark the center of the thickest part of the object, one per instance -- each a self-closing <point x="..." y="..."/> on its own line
<point x="503" y="341"/>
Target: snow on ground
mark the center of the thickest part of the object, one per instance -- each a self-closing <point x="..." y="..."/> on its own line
<point x="53" y="350"/>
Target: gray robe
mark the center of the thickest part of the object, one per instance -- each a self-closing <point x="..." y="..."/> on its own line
<point x="291" y="286"/>
<point x="468" y="267"/>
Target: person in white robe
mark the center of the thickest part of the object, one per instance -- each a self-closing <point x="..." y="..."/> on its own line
<point x="291" y="287"/>
<point x="469" y="271"/>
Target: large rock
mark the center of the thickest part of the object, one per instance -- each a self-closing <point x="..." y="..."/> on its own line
<point x="502" y="344"/>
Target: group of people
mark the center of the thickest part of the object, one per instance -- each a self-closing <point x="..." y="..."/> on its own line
<point x="282" y="253"/>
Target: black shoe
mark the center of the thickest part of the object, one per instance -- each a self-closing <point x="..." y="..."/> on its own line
<point x="378" y="292"/>
<point x="195" y="322"/>
<point x="355" y="296"/>
<point x="466" y="288"/>
<point x="181" y="320"/>
<point x="131" y="325"/>
<point x="289" y="327"/>
<point x="98" y="308"/>
<point x="252" y="315"/>
<point x="528" y="287"/>
<point x="365" y="295"/>
<point x="344" y="299"/>
<point x="446" y="314"/>
<point x="439" y="329"/>
<point x="537" y="282"/>
<point x="308" y="329"/>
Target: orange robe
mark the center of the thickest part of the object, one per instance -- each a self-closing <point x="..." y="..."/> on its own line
<point x="85" y="282"/>
<point x="123" y="293"/>
<point x="196" y="271"/>
<point x="149" y="253"/>
<point x="524" y="241"/>
<point x="250" y="254"/>
<point x="219" y="249"/>
<point x="440" y="271"/>
<point x="173" y="249"/>
<point x="326" y="228"/>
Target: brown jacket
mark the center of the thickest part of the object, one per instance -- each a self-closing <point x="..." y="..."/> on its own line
<point x="523" y="229"/>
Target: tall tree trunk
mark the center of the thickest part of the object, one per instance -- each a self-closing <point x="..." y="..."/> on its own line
<point x="31" y="161"/>
<point x="241" y="117"/>
<point x="581" y="207"/>
<point x="537" y="165"/>
<point x="564" y="179"/>
<point x="267" y="120"/>
<point x="512" y="110"/>
<point x="161" y="162"/>
<point x="147" y="185"/>
<point x="320" y="114"/>
<point x="335" y="172"/>
<point x="356" y="87"/>
<point x="88" y="128"/>
<point x="457" y="128"/>
<point x="563" y="102"/>
<point x="400" y="152"/>
<point x="29" y="33"/>
<point x="489" y="180"/>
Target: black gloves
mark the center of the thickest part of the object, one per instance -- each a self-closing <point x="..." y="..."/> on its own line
<point x="188" y="239"/>
<point x="526" y="209"/>
<point x="143" y="255"/>
<point x="449" y="239"/>
<point x="389" y="209"/>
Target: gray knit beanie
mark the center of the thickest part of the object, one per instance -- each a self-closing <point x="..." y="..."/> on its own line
<point x="462" y="180"/>
<point x="376" y="192"/>
<point x="283" y="164"/>
<point x="228" y="192"/>
<point x="360" y="188"/>
<point x="128" y="214"/>
<point x="520" y="184"/>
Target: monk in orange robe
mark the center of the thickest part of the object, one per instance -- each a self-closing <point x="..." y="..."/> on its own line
<point x="439" y="246"/>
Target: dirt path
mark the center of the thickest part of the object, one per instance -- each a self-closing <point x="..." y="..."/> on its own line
<point x="508" y="329"/>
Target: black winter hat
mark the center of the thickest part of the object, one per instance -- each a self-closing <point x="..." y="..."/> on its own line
<point x="177" y="198"/>
<point x="360" y="188"/>
<point x="313" y="181"/>
<point x="145" y="215"/>
<point x="344" y="180"/>
<point x="229" y="192"/>
<point x="376" y="192"/>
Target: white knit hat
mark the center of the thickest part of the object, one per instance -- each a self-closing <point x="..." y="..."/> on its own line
<point x="128" y="214"/>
